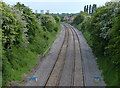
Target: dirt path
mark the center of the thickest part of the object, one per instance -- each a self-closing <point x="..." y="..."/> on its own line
<point x="70" y="62"/>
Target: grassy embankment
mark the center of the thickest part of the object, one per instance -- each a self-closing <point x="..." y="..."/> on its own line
<point x="25" y="35"/>
<point x="102" y="32"/>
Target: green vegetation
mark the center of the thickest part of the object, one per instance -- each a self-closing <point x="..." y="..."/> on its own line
<point x="25" y="35"/>
<point x="102" y="31"/>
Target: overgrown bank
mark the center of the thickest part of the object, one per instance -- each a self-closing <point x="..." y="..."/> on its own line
<point x="102" y="31"/>
<point x="25" y="35"/>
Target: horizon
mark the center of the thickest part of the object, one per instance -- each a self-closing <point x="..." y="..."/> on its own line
<point x="73" y="6"/>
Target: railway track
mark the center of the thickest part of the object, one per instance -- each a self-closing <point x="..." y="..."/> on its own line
<point x="67" y="70"/>
<point x="78" y="78"/>
<point x="55" y="75"/>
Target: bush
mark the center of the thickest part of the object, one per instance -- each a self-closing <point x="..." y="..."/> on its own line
<point x="78" y="19"/>
<point x="24" y="36"/>
<point x="102" y="32"/>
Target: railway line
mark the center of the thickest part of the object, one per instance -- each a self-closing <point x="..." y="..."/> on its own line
<point x="67" y="70"/>
<point x="67" y="65"/>
<point x="55" y="75"/>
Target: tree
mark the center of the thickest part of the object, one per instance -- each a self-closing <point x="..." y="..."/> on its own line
<point x="90" y="9"/>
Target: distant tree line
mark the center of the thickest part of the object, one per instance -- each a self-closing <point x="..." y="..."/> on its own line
<point x="90" y="9"/>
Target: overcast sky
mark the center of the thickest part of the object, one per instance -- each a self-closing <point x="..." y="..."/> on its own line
<point x="58" y="6"/>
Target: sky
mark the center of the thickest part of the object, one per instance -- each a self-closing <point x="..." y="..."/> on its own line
<point x="58" y="6"/>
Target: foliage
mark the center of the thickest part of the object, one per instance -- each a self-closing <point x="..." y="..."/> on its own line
<point x="102" y="31"/>
<point x="57" y="19"/>
<point x="48" y="21"/>
<point x="24" y="36"/>
<point x="11" y="29"/>
<point x="78" y="19"/>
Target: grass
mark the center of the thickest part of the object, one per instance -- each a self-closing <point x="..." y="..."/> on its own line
<point x="0" y="79"/>
<point x="87" y="37"/>
<point x="25" y="58"/>
<point x="108" y="71"/>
